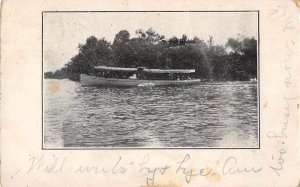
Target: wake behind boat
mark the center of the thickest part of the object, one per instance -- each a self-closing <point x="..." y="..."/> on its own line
<point x="115" y="76"/>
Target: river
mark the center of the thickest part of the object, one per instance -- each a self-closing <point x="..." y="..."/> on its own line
<point x="208" y="115"/>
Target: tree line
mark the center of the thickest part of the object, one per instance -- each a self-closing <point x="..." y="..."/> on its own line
<point x="236" y="60"/>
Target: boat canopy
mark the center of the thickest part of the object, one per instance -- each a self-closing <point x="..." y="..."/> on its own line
<point x="115" y="68"/>
<point x="169" y="70"/>
<point x="145" y="70"/>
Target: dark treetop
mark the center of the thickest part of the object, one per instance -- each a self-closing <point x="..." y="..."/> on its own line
<point x="237" y="60"/>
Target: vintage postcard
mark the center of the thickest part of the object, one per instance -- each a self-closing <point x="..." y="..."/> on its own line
<point x="161" y="93"/>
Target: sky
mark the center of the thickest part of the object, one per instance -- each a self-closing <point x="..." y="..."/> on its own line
<point x="63" y="32"/>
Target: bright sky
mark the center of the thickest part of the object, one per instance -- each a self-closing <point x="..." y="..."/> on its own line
<point x="62" y="32"/>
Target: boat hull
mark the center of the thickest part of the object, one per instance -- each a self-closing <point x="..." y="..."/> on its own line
<point x="87" y="80"/>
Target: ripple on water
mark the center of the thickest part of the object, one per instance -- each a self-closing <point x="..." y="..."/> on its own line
<point x="222" y="114"/>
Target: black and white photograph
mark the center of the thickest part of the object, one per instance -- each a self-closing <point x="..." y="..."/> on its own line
<point x="150" y="80"/>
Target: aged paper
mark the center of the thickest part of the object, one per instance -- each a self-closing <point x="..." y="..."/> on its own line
<point x="160" y="93"/>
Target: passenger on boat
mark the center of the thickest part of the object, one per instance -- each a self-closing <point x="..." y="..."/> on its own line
<point x="133" y="76"/>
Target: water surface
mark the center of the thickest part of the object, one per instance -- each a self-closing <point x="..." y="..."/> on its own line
<point x="223" y="114"/>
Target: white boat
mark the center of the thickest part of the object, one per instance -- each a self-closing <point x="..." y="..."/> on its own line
<point x="142" y="77"/>
<point x="88" y="80"/>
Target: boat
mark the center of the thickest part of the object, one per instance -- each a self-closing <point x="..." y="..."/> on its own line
<point x="138" y="77"/>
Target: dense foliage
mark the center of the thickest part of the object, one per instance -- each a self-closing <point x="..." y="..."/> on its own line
<point x="237" y="60"/>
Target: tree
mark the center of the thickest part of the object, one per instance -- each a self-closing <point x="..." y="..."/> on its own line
<point x="248" y="49"/>
<point x="94" y="52"/>
<point x="173" y="41"/>
<point x="183" y="40"/>
<point x="237" y="60"/>
<point x="234" y="44"/>
<point x="189" y="56"/>
<point x="121" y="49"/>
<point x="122" y="38"/>
<point x="147" y="49"/>
<point x="210" y="41"/>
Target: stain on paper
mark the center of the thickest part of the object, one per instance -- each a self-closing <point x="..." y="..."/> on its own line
<point x="54" y="87"/>
<point x="214" y="175"/>
<point x="297" y="3"/>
